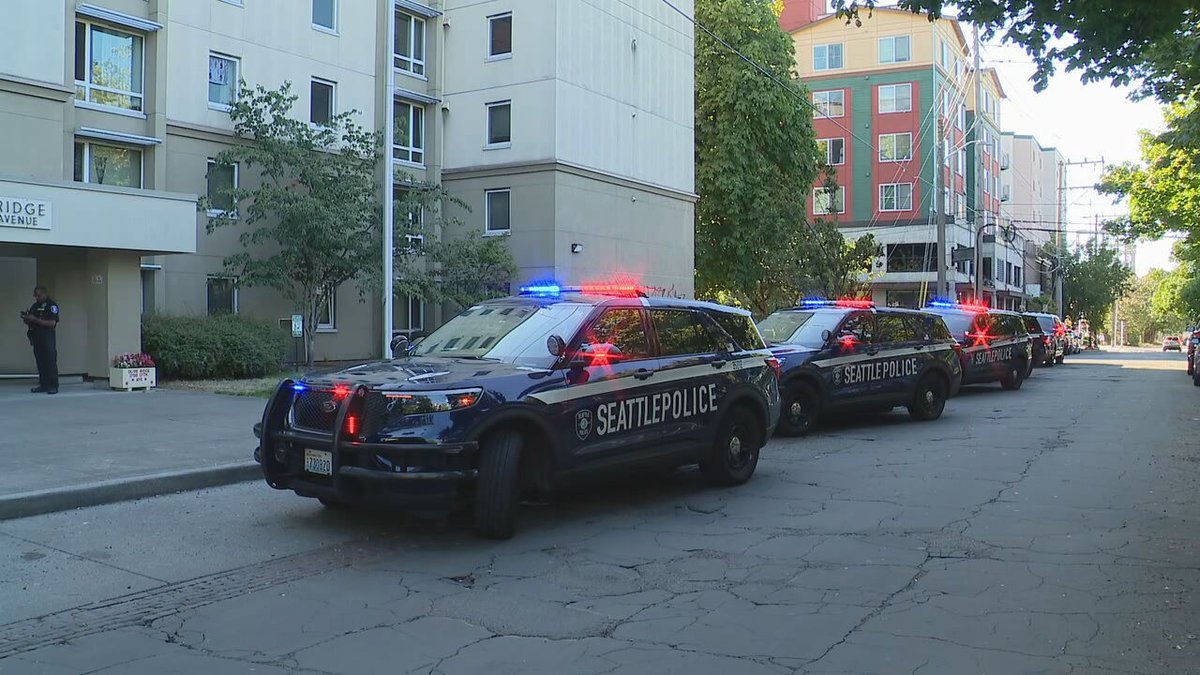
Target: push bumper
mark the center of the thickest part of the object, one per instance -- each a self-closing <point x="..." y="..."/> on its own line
<point x="400" y="474"/>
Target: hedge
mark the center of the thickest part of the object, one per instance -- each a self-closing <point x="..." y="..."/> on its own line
<point x="207" y="347"/>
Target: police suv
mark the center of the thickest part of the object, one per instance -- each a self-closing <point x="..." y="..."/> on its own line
<point x="524" y="394"/>
<point x="838" y="355"/>
<point x="996" y="346"/>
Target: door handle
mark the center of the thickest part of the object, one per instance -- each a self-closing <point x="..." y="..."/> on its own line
<point x="919" y="347"/>
<point x="643" y="373"/>
<point x="719" y="363"/>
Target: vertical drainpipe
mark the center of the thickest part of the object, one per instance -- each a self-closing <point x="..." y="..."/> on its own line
<point x="389" y="182"/>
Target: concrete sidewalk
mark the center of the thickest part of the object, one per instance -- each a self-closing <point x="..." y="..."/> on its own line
<point x="89" y="445"/>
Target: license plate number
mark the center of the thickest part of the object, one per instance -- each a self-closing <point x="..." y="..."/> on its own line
<point x="318" y="461"/>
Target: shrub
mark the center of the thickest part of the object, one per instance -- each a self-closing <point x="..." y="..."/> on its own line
<point x="208" y="347"/>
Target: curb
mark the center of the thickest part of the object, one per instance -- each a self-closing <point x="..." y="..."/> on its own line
<point x="25" y="504"/>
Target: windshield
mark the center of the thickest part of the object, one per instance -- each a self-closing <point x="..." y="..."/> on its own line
<point x="512" y="333"/>
<point x="958" y="323"/>
<point x="798" y="328"/>
<point x="1047" y="323"/>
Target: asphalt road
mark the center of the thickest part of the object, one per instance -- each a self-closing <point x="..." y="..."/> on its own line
<point x="1050" y="530"/>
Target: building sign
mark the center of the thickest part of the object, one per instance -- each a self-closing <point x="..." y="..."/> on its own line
<point x="30" y="214"/>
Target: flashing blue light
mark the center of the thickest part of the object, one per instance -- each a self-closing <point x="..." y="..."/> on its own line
<point x="815" y="302"/>
<point x="542" y="289"/>
<point x="299" y="386"/>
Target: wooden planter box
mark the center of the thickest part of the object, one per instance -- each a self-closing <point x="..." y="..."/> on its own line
<point x="129" y="379"/>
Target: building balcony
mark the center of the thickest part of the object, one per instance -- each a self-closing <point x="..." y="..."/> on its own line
<point x="94" y="216"/>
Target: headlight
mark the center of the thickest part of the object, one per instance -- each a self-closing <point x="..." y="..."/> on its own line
<point x="420" y="403"/>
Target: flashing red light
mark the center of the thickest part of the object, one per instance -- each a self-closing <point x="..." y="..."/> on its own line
<point x="775" y="366"/>
<point x="352" y="425"/>
<point x="853" y="302"/>
<point x="974" y="308"/>
<point x="621" y="290"/>
<point x="847" y="341"/>
<point x="1046" y="340"/>
<point x="341" y="391"/>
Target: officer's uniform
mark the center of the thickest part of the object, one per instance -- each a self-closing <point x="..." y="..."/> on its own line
<point x="45" y="349"/>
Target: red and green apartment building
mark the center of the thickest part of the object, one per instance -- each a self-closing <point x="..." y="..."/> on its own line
<point x="896" y="113"/>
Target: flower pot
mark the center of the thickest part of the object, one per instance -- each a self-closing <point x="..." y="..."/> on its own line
<point x="132" y="378"/>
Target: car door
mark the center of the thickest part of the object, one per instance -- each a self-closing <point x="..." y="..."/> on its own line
<point x="853" y="349"/>
<point x="901" y="344"/>
<point x="688" y="385"/>
<point x="612" y="365"/>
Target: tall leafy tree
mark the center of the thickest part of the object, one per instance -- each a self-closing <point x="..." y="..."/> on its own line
<point x="1144" y="311"/>
<point x="1094" y="277"/>
<point x="756" y="157"/>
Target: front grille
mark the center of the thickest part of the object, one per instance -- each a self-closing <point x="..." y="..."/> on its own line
<point x="310" y="410"/>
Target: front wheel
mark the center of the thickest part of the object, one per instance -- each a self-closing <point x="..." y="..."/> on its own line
<point x="801" y="409"/>
<point x="1196" y="378"/>
<point x="1014" y="377"/>
<point x="929" y="400"/>
<point x="734" y="453"/>
<point x="497" y="489"/>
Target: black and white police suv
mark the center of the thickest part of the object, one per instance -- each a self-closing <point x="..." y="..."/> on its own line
<point x="524" y="394"/>
<point x="995" y="343"/>
<point x="848" y="355"/>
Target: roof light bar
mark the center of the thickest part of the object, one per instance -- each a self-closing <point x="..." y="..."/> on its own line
<point x="550" y="289"/>
<point x="844" y="302"/>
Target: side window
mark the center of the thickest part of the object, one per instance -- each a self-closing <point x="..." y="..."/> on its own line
<point x="859" y="327"/>
<point x="893" y="328"/>
<point x="935" y="328"/>
<point x="682" y="332"/>
<point x="741" y="329"/>
<point x="1017" y="326"/>
<point x="619" y="333"/>
<point x="982" y="325"/>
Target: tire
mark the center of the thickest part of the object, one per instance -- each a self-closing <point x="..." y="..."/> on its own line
<point x="1196" y="378"/>
<point x="801" y="410"/>
<point x="498" y="488"/>
<point x="1059" y="360"/>
<point x="333" y="504"/>
<point x="736" y="445"/>
<point x="1014" y="377"/>
<point x="929" y="400"/>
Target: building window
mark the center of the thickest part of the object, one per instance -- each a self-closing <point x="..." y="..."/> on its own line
<point x="895" y="147"/>
<point x="830" y="103"/>
<point x="222" y="81"/>
<point x="496" y="212"/>
<point x="895" y="49"/>
<point x="827" y="57"/>
<point x="947" y="153"/>
<point x="108" y="165"/>
<point x="895" y="197"/>
<point x="911" y="257"/>
<point x="109" y="66"/>
<point x="960" y="206"/>
<point x="222" y="180"/>
<point x="222" y="295"/>
<point x="961" y="122"/>
<point x="416" y="312"/>
<point x="987" y="182"/>
<point x="826" y="201"/>
<point x="327" y="309"/>
<point x="321" y="102"/>
<point x="499" y="123"/>
<point x="947" y="205"/>
<point x="324" y="14"/>
<point x="895" y="98"/>
<point x="408" y="53"/>
<point x="834" y="150"/>
<point x="500" y="35"/>
<point x="409" y="143"/>
<point x="962" y="161"/>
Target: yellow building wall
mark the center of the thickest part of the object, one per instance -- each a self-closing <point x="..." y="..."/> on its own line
<point x="860" y="44"/>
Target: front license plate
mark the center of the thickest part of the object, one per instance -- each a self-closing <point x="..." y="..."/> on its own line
<point x="318" y="461"/>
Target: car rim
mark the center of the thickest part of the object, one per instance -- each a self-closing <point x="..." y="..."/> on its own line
<point x="798" y="414"/>
<point x="738" y="452"/>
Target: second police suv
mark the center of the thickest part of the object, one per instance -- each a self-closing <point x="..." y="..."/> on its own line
<point x="839" y="355"/>
<point x="996" y="347"/>
<point x="523" y="394"/>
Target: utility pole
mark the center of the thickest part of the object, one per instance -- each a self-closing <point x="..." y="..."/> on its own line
<point x="939" y="198"/>
<point x="389" y="186"/>
<point x="1059" y="209"/>
<point x="979" y="224"/>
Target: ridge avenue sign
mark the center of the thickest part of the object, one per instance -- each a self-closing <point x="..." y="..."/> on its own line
<point x="30" y="214"/>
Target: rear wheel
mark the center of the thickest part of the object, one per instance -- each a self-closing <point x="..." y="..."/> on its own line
<point x="801" y="409"/>
<point x="1014" y="376"/>
<point x="734" y="454"/>
<point x="331" y="503"/>
<point x="1060" y="358"/>
<point x="929" y="400"/>
<point x="1196" y="378"/>
<point x="498" y="489"/>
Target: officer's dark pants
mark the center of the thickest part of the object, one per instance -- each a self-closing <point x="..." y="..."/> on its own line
<point x="45" y="352"/>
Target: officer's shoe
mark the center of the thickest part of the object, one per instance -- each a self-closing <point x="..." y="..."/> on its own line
<point x="39" y="390"/>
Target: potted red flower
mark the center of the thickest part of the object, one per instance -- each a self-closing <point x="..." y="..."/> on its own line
<point x="132" y="371"/>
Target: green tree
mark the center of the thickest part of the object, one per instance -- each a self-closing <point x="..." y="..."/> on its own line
<point x="1145" y="314"/>
<point x="836" y="267"/>
<point x="756" y="158"/>
<point x="1093" y="279"/>
<point x="460" y="271"/>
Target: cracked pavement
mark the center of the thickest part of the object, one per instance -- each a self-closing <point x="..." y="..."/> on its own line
<point x="1050" y="530"/>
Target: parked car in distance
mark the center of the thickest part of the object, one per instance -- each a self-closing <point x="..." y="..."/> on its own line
<point x="1049" y="335"/>
<point x="1171" y="343"/>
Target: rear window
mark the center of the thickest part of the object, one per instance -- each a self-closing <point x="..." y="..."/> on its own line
<point x="740" y="328"/>
<point x="1047" y="323"/>
<point x="1031" y="324"/>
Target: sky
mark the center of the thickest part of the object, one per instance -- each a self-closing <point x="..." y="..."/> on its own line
<point x="1085" y="122"/>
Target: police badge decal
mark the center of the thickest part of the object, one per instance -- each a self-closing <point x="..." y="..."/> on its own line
<point x="837" y="375"/>
<point x="583" y="424"/>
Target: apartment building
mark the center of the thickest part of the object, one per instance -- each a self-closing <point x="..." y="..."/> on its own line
<point x="896" y="114"/>
<point x="565" y="127"/>
<point x="1036" y="207"/>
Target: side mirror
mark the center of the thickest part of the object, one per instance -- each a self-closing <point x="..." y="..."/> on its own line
<point x="399" y="344"/>
<point x="826" y="335"/>
<point x="556" y="346"/>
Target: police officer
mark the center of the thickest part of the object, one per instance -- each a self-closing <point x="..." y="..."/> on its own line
<point x="42" y="318"/>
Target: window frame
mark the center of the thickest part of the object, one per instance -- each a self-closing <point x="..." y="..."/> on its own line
<point x="819" y="192"/>
<point x="414" y="65"/>
<point x="236" y="84"/>
<point x="332" y="100"/>
<point x="893" y="39"/>
<point x="894" y="98"/>
<point x="576" y="344"/>
<point x="961" y="163"/>
<point x="218" y="213"/>
<point x="829" y="149"/>
<point x="418" y="325"/>
<point x="488" y="107"/>
<point x="332" y="30"/>
<point x="896" y="135"/>
<point x="329" y="296"/>
<point x="491" y="38"/>
<point x="817" y="105"/>
<point x="233" y="295"/>
<point x="700" y="318"/>
<point x="895" y="197"/>
<point x="87" y="86"/>
<point x="415" y="109"/>
<point x="841" y="51"/>
<point x="87" y="163"/>
<point x="487" y="212"/>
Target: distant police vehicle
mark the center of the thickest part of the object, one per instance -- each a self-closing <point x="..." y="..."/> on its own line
<point x="838" y="355"/>
<point x="523" y="394"/>
<point x="995" y="343"/>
